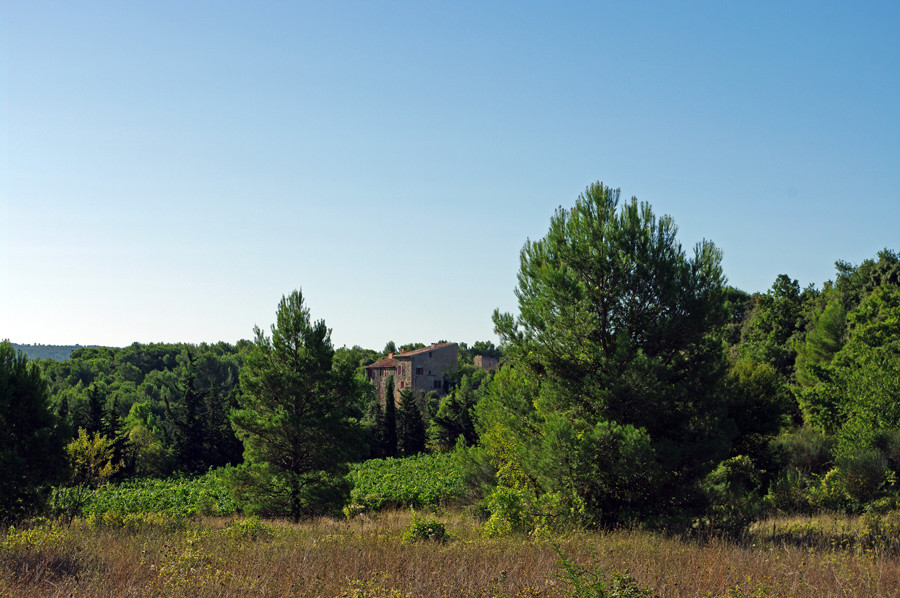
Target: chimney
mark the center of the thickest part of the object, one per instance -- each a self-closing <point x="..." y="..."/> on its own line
<point x="390" y="355"/>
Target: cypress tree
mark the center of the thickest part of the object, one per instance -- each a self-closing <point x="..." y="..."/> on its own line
<point x="390" y="419"/>
<point x="113" y="431"/>
<point x="187" y="419"/>
<point x="95" y="423"/>
<point x="410" y="426"/>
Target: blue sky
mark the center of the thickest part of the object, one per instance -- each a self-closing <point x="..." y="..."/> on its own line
<point x="169" y="170"/>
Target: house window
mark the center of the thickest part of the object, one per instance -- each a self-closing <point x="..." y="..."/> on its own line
<point x="437" y="383"/>
<point x="419" y="371"/>
<point x="402" y="384"/>
<point x="399" y="370"/>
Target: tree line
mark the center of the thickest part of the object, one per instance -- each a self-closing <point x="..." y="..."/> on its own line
<point x="636" y="386"/>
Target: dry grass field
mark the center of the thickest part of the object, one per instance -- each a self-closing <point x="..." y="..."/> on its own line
<point x="367" y="557"/>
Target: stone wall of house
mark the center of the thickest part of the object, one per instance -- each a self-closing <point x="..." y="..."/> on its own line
<point x="486" y="363"/>
<point x="428" y="367"/>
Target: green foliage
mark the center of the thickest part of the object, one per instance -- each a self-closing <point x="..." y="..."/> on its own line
<point x="454" y="417"/>
<point x="389" y="435"/>
<point x="425" y="529"/>
<point x="356" y="357"/>
<point x="295" y="419"/>
<point x="466" y="354"/>
<point x="733" y="492"/>
<point x="31" y="443"/>
<point x="93" y="382"/>
<point x="265" y="490"/>
<point x="151" y="456"/>
<point x="790" y="492"/>
<point x="856" y="393"/>
<point x="410" y="424"/>
<point x="864" y="475"/>
<point x="805" y="449"/>
<point x="855" y="283"/>
<point x="176" y="496"/>
<point x="584" y="582"/>
<point x="189" y="445"/>
<point x="520" y="510"/>
<point x="759" y="404"/>
<point x="824" y="338"/>
<point x="422" y="481"/>
<point x="91" y="459"/>
<point x="768" y="332"/>
<point x="739" y="305"/>
<point x="250" y="529"/>
<point x="616" y="327"/>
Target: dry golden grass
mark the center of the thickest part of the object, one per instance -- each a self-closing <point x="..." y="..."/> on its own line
<point x="365" y="557"/>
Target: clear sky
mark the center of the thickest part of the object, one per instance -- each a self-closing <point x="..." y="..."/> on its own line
<point x="169" y="170"/>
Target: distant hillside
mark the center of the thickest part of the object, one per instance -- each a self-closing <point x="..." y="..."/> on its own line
<point x="55" y="352"/>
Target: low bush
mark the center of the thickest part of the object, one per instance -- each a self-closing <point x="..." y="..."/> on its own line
<point x="732" y="490"/>
<point x="425" y="529"/>
<point x="250" y="528"/>
<point x="422" y="481"/>
<point x="181" y="496"/>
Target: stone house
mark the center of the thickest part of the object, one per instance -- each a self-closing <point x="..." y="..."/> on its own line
<point x="486" y="363"/>
<point x="422" y="369"/>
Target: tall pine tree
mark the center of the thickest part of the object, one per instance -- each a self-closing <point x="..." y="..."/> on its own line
<point x="295" y="418"/>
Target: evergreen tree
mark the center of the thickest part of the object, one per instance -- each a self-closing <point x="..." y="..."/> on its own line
<point x="375" y="428"/>
<point x="454" y="415"/>
<point x="390" y="419"/>
<point x="222" y="446"/>
<point x="114" y="432"/>
<point x="96" y="419"/>
<point x="187" y="419"/>
<point x="410" y="426"/>
<point x="295" y="419"/>
<point x="31" y="445"/>
<point x="618" y="327"/>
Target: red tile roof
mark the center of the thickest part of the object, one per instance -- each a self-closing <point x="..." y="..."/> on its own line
<point x="389" y="362"/>
<point x="422" y="350"/>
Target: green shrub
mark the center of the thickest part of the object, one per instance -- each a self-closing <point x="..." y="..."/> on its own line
<point x="143" y="520"/>
<point x="422" y="481"/>
<point x="181" y="496"/>
<point x="250" y="528"/>
<point x="864" y="475"/>
<point x="805" y="449"/>
<point x="881" y="531"/>
<point x="516" y="510"/>
<point x="425" y="529"/>
<point x="789" y="492"/>
<point x="830" y="493"/>
<point x="733" y="493"/>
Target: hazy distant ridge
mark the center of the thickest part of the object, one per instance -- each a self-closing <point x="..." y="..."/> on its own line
<point x="56" y="352"/>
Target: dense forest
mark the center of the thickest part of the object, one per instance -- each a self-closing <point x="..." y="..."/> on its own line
<point x="636" y="387"/>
